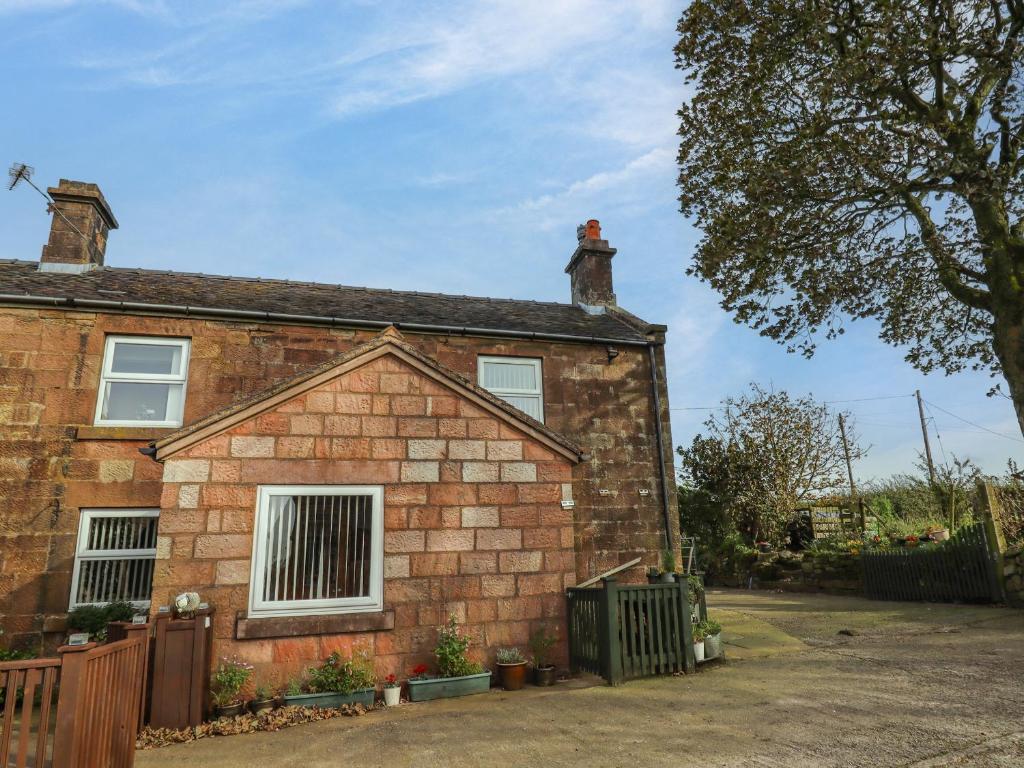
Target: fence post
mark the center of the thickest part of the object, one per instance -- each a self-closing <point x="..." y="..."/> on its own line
<point x="690" y="660"/>
<point x="608" y="615"/>
<point x="72" y="663"/>
<point x="991" y="511"/>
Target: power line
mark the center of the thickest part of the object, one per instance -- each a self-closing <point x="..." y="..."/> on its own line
<point x="825" y="402"/>
<point x="973" y="424"/>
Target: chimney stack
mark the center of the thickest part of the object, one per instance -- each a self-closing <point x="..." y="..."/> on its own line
<point x="590" y="268"/>
<point x="82" y="205"/>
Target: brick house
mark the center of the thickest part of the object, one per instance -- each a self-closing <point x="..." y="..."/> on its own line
<point x="329" y="467"/>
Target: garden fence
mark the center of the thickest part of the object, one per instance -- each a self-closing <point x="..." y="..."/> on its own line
<point x="962" y="569"/>
<point x="80" y="709"/>
<point x="624" y="631"/>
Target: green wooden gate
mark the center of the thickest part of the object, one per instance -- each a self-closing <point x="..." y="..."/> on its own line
<point x="623" y="632"/>
<point x="958" y="570"/>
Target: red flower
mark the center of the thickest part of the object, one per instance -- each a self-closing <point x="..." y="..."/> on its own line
<point x="419" y="669"/>
<point x="389" y="679"/>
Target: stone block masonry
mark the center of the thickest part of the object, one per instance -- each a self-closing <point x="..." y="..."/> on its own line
<point x="53" y="462"/>
<point x="473" y="527"/>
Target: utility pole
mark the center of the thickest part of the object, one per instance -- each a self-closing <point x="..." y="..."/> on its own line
<point x="924" y="432"/>
<point x="849" y="471"/>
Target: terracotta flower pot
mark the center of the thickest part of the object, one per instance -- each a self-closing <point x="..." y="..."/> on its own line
<point x="544" y="676"/>
<point x="512" y="676"/>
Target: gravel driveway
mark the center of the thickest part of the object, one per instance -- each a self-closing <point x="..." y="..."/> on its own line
<point x="902" y="685"/>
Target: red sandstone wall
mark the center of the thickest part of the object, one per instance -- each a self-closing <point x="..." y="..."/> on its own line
<point x="472" y="519"/>
<point x="50" y="468"/>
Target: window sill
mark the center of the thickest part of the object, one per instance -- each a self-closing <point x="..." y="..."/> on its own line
<point x="299" y="626"/>
<point x="141" y="434"/>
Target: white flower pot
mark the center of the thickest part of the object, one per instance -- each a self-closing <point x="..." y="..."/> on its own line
<point x="698" y="651"/>
<point x="392" y="696"/>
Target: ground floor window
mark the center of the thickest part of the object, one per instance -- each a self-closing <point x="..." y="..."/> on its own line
<point x="115" y="556"/>
<point x="317" y="550"/>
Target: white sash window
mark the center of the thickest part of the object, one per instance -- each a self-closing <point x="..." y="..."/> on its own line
<point x="317" y="550"/>
<point x="143" y="382"/>
<point x="114" y="557"/>
<point x="516" y="380"/>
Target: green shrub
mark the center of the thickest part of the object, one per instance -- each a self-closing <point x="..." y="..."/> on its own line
<point x="541" y="643"/>
<point x="338" y="675"/>
<point x="228" y="680"/>
<point x="451" y="650"/>
<point x="510" y="656"/>
<point x="95" y="618"/>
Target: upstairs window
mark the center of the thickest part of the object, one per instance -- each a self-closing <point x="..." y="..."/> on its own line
<point x="317" y="550"/>
<point x="115" y="556"/>
<point x="517" y="380"/>
<point x="143" y="382"/>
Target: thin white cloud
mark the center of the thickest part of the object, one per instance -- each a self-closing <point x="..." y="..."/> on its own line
<point x="655" y="161"/>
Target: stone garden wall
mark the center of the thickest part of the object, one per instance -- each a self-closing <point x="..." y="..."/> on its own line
<point x="1013" y="576"/>
<point x="836" y="573"/>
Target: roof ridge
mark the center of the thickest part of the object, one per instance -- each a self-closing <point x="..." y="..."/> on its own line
<point x="342" y="286"/>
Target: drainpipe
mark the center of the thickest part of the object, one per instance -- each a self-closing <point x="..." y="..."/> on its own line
<point x="659" y="439"/>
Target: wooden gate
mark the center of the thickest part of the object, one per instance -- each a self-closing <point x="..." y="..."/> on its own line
<point x="630" y="631"/>
<point x="960" y="570"/>
<point x="98" y="695"/>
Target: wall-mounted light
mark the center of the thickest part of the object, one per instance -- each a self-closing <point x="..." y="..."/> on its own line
<point x="612" y="353"/>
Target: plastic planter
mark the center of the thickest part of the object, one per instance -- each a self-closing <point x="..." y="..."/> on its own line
<point x="330" y="700"/>
<point x="448" y="687"/>
<point x="698" y="651"/>
<point x="713" y="646"/>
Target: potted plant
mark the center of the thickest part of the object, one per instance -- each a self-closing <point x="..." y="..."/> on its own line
<point x="392" y="691"/>
<point x="263" y="699"/>
<point x="698" y="641"/>
<point x="335" y="682"/>
<point x="511" y="668"/>
<point x="668" y="566"/>
<point x="227" y="682"/>
<point x="456" y="674"/>
<point x="694" y="593"/>
<point x="712" y="639"/>
<point x="763" y="546"/>
<point x="541" y="643"/>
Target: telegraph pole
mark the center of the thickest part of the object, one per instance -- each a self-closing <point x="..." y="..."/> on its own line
<point x="846" y="452"/>
<point x="924" y="433"/>
<point x="849" y="472"/>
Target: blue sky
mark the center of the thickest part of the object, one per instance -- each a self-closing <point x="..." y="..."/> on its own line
<point x="436" y="146"/>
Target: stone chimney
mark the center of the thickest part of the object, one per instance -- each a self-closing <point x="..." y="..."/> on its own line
<point x="87" y="211"/>
<point x="590" y="268"/>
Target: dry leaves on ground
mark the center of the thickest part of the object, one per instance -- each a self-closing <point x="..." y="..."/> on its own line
<point x="271" y="720"/>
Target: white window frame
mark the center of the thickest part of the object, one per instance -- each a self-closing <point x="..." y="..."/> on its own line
<point x="374" y="602"/>
<point x="83" y="553"/>
<point x="107" y="376"/>
<point x="536" y="362"/>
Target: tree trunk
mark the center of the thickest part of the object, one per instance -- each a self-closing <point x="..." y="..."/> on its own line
<point x="1008" y="345"/>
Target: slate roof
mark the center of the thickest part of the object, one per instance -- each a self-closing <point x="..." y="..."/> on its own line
<point x="321" y="300"/>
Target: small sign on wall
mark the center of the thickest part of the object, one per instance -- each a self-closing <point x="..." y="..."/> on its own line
<point x="568" y="504"/>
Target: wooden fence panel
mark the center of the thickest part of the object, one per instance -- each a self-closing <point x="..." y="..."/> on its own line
<point x="27" y="692"/>
<point x="630" y="631"/>
<point x="958" y="570"/>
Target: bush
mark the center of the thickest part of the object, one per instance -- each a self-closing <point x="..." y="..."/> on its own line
<point x="228" y="680"/>
<point x="541" y="643"/>
<point x="510" y="656"/>
<point x="94" y="618"/>
<point x="451" y="651"/>
<point x="338" y="675"/>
